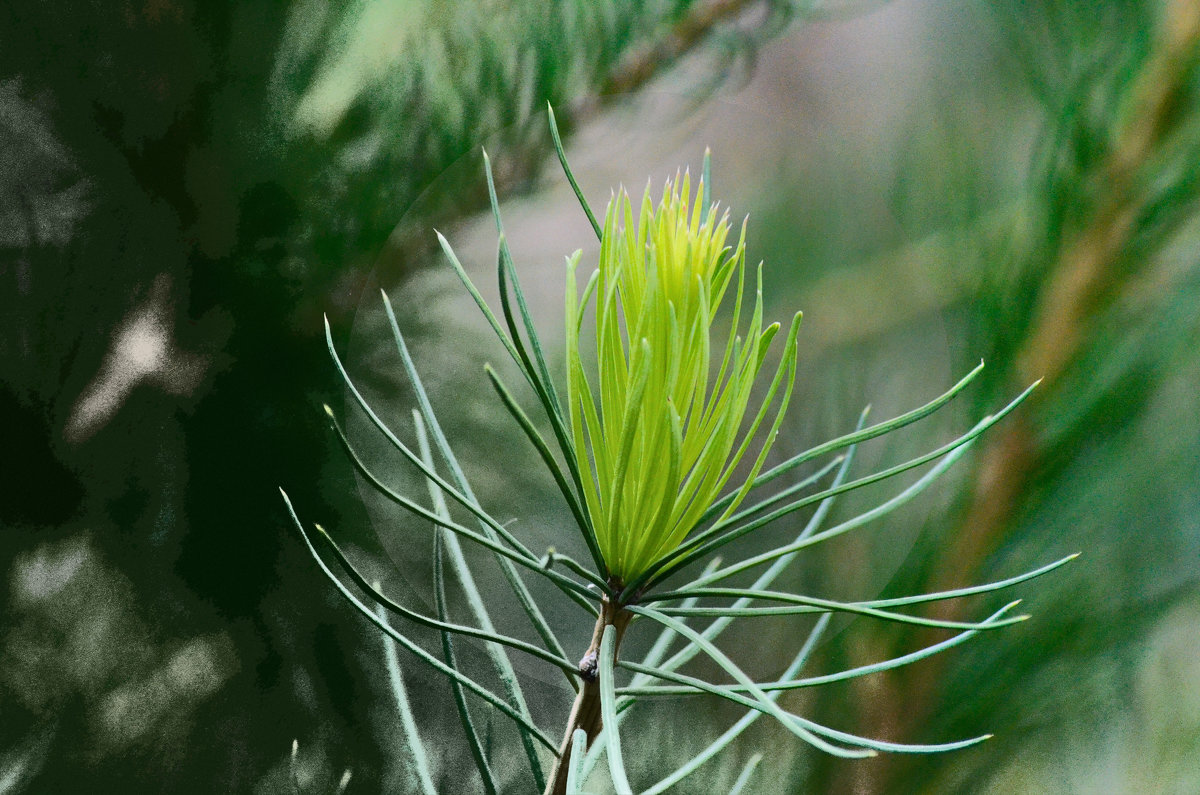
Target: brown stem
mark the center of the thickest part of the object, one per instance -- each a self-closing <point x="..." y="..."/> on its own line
<point x="585" y="714"/>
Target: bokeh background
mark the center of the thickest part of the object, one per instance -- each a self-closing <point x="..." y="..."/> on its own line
<point x="186" y="188"/>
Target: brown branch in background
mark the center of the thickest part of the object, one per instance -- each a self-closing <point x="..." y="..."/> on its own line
<point x="513" y="169"/>
<point x="695" y="26"/>
<point x="1087" y="273"/>
<point x="632" y="72"/>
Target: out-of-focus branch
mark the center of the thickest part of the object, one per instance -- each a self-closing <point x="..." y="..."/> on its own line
<point x="645" y="63"/>
<point x="631" y="73"/>
<point x="1088" y="272"/>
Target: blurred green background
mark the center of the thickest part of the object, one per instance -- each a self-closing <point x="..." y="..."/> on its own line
<point x="186" y="187"/>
